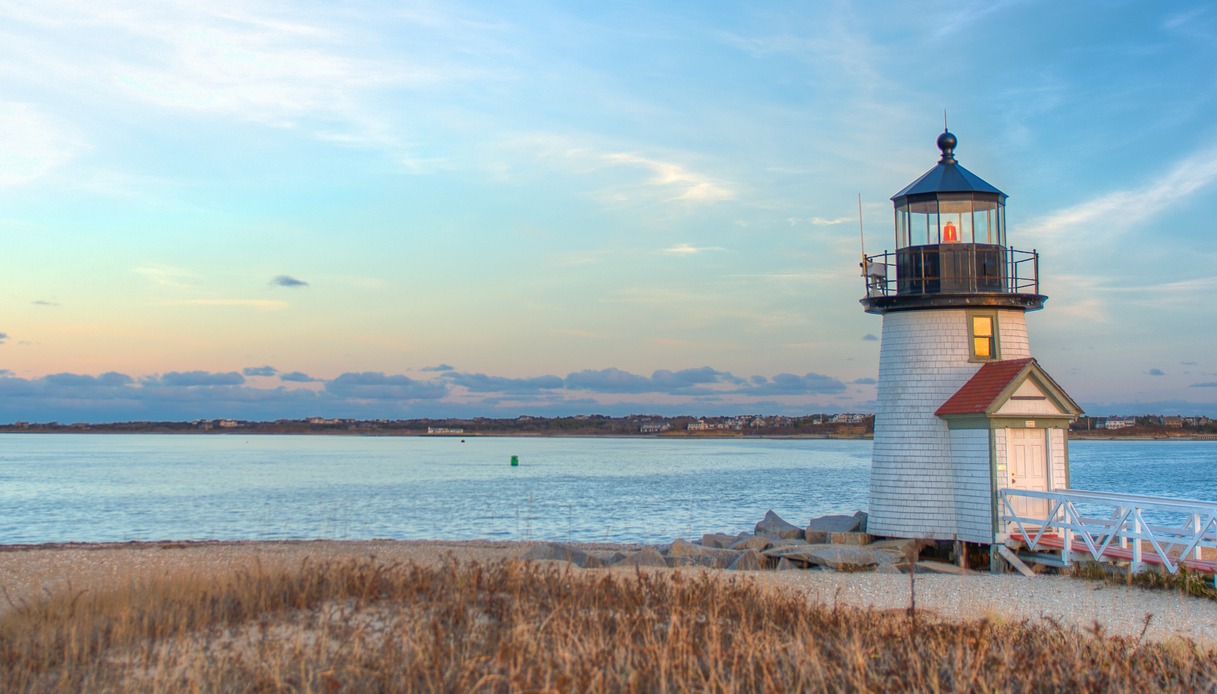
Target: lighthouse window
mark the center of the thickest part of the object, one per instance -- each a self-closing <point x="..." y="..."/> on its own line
<point x="956" y="214"/>
<point x="986" y="222"/>
<point x="983" y="332"/>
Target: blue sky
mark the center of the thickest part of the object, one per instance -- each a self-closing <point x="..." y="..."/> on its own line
<point x="398" y="209"/>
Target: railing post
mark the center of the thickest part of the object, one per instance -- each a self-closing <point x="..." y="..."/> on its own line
<point x="1120" y="532"/>
<point x="1066" y="535"/>
<point x="1196" y="529"/>
<point x="1035" y="255"/>
<point x="1136" y="566"/>
<point x="1011" y="272"/>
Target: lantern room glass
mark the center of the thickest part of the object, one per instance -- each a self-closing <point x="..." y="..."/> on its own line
<point x="974" y="220"/>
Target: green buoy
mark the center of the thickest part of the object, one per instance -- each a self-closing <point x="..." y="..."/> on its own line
<point x="515" y="461"/>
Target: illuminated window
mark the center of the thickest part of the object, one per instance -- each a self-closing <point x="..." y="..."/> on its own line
<point x="982" y="329"/>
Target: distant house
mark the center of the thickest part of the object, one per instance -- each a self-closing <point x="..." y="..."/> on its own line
<point x="1172" y="422"/>
<point x="654" y="427"/>
<point x="1114" y="423"/>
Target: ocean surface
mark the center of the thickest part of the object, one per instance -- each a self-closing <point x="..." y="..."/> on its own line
<point x="115" y="487"/>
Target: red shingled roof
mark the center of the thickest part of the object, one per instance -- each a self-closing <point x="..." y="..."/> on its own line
<point x="984" y="387"/>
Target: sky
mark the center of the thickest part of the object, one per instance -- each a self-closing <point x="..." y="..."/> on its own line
<point x="265" y="210"/>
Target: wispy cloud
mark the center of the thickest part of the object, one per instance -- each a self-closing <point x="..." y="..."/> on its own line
<point x="167" y="276"/>
<point x="683" y="184"/>
<point x="32" y="144"/>
<point x="959" y="18"/>
<point x="687" y="249"/>
<point x="323" y="71"/>
<point x="287" y="281"/>
<point x="1104" y="216"/>
<point x="821" y="222"/>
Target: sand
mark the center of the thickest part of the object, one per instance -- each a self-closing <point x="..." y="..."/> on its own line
<point x="29" y="573"/>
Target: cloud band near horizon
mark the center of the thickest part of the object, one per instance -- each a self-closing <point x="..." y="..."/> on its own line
<point x="188" y="395"/>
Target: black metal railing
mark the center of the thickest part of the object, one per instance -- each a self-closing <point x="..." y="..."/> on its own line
<point x="964" y="268"/>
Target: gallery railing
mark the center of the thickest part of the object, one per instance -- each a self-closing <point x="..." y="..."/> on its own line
<point x="951" y="268"/>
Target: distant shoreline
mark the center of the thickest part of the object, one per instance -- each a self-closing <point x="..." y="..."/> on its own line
<point x="1074" y="436"/>
<point x="697" y="436"/>
<point x="479" y="435"/>
<point x="1079" y="436"/>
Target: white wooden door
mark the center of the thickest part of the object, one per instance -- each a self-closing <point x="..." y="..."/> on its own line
<point x="1028" y="469"/>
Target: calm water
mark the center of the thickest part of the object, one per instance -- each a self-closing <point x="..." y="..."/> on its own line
<point x="78" y="487"/>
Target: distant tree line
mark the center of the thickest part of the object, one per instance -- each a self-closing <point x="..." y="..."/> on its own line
<point x="1144" y="425"/>
<point x="824" y="424"/>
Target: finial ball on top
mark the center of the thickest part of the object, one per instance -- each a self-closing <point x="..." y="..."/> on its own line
<point x="946" y="143"/>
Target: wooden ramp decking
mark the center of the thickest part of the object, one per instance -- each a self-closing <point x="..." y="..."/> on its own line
<point x="1114" y="527"/>
<point x="1056" y="543"/>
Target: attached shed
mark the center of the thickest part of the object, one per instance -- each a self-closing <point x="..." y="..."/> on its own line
<point x="1008" y="427"/>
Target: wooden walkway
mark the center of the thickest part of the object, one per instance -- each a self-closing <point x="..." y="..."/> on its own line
<point x="1056" y="543"/>
<point x="1051" y="521"/>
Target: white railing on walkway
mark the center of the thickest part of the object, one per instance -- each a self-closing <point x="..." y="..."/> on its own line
<point x="1124" y="526"/>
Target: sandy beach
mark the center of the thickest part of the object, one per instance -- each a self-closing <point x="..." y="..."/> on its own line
<point x="29" y="573"/>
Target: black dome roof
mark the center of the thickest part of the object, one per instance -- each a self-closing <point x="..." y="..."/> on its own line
<point x="948" y="176"/>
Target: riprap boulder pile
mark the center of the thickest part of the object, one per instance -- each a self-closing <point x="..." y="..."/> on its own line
<point x="836" y="542"/>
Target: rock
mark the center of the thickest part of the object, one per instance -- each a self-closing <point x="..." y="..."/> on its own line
<point x="684" y="548"/>
<point x="647" y="556"/>
<point x="718" y="540"/>
<point x="754" y="542"/>
<point x="789" y="542"/>
<point x="773" y="526"/>
<point x="846" y="558"/>
<point x="555" y="551"/>
<point x="747" y="561"/>
<point x="849" y="538"/>
<point x="785" y="564"/>
<point x="684" y="553"/>
<point x="800" y="555"/>
<point x="787" y="550"/>
<point x="613" y="559"/>
<point x="887" y="557"/>
<point x="820" y="528"/>
<point x="839" y="557"/>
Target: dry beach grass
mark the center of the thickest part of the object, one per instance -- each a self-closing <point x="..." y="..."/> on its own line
<point x="433" y="616"/>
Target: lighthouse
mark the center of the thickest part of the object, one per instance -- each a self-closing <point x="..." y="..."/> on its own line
<point x="963" y="408"/>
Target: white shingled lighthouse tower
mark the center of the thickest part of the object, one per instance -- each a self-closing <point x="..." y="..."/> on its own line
<point x="963" y="408"/>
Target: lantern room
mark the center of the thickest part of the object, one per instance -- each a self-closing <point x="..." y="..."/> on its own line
<point x="949" y="204"/>
<point x="950" y="246"/>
